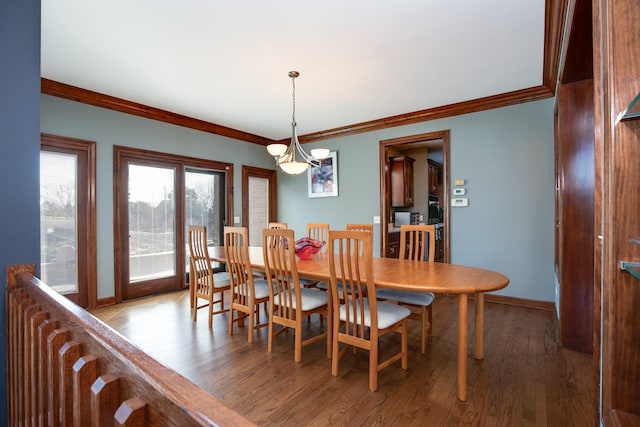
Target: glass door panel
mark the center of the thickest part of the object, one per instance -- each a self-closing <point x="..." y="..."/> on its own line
<point x="58" y="221"/>
<point x="151" y="206"/>
<point x="204" y="204"/>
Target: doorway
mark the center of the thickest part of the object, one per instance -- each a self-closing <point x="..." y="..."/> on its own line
<point x="432" y="142"/>
<point x="259" y="201"/>
<point x="68" y="218"/>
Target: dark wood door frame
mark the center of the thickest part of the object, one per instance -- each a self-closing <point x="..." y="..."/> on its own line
<point x="272" y="176"/>
<point x="87" y="296"/>
<point x="385" y="181"/>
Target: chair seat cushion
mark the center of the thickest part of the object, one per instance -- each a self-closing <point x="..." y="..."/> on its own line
<point x="388" y="314"/>
<point x="221" y="279"/>
<point x="262" y="288"/>
<point x="311" y="299"/>
<point x="407" y="297"/>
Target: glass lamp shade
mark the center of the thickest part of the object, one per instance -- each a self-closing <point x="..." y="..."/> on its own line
<point x="276" y="150"/>
<point x="294" y="168"/>
<point x="320" y="153"/>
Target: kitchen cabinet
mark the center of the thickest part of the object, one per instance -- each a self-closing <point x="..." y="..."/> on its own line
<point x="393" y="244"/>
<point x="401" y="169"/>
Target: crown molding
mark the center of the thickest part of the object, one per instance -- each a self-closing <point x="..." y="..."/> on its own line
<point x="466" y="107"/>
<point x="74" y="93"/>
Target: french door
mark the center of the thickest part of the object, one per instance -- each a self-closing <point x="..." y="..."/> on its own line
<point x="157" y="196"/>
<point x="204" y="204"/>
<point x="67" y="218"/>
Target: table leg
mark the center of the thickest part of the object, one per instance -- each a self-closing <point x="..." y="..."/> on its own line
<point x="479" y="334"/>
<point x="462" y="347"/>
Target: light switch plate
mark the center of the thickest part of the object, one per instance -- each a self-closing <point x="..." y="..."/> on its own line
<point x="236" y="220"/>
<point x="458" y="203"/>
<point x="376" y="219"/>
<point x="459" y="191"/>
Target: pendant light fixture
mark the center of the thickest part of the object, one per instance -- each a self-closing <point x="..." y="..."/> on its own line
<point x="286" y="156"/>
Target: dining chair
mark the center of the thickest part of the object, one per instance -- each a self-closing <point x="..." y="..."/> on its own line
<point x="358" y="321"/>
<point x="278" y="225"/>
<point x="316" y="231"/>
<point x="352" y="227"/>
<point x="416" y="243"/>
<point x="247" y="291"/>
<point x="289" y="302"/>
<point x="360" y="227"/>
<point x="202" y="281"/>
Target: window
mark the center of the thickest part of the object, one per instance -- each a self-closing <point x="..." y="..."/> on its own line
<point x="58" y="221"/>
<point x="259" y="201"/>
<point x="152" y="237"/>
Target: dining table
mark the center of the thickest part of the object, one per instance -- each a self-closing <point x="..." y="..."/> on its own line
<point x="419" y="276"/>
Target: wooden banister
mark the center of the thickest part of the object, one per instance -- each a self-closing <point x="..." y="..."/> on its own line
<point x="65" y="367"/>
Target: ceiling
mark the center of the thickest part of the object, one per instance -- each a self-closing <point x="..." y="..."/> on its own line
<point x="226" y="62"/>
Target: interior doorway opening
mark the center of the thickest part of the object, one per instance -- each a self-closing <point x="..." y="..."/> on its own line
<point x="417" y="197"/>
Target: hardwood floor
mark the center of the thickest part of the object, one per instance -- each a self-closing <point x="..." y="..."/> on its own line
<point x="526" y="379"/>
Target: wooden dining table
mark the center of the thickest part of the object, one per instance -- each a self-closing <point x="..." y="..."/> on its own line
<point x="420" y="276"/>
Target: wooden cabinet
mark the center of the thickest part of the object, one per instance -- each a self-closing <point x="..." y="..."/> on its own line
<point x="617" y="82"/>
<point x="393" y="244"/>
<point x="401" y="169"/>
<point x="575" y="210"/>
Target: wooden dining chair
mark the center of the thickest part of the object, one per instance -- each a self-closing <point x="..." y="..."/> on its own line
<point x="318" y="231"/>
<point x="202" y="283"/>
<point x="289" y="302"/>
<point x="359" y="321"/>
<point x="360" y="227"/>
<point x="416" y="243"/>
<point x="247" y="291"/>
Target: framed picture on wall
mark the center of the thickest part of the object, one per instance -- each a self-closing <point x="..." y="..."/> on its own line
<point x="323" y="180"/>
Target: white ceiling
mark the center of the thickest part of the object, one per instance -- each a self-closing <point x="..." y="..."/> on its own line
<point x="226" y="62"/>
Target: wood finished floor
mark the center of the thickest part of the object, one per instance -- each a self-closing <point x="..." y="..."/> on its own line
<point x="525" y="379"/>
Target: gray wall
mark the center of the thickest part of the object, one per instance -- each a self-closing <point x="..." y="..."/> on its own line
<point x="506" y="158"/>
<point x="19" y="149"/>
